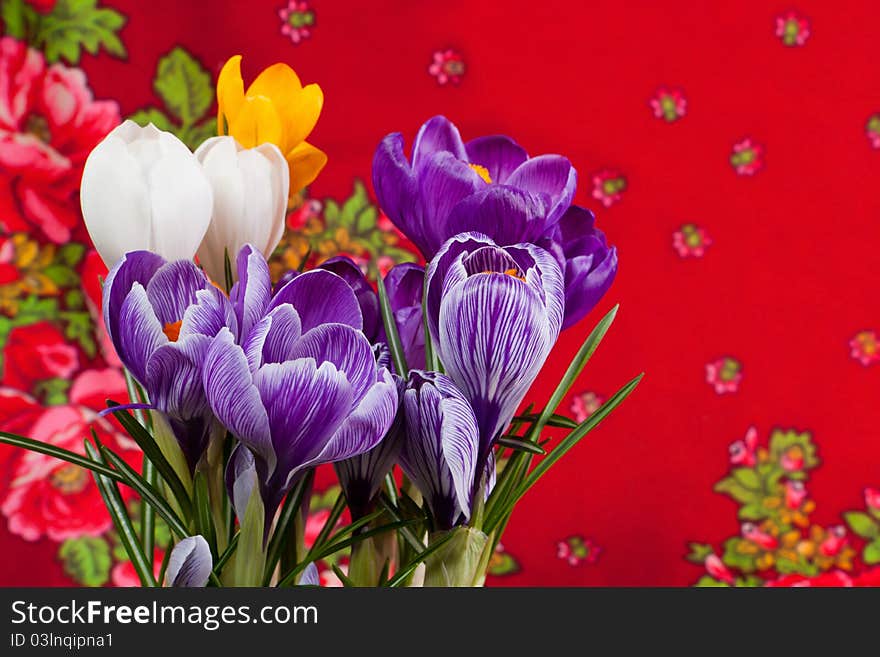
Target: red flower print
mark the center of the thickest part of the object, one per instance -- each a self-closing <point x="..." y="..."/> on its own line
<point x="44" y="6"/>
<point x="834" y="578"/>
<point x="742" y="452"/>
<point x="792" y="29"/>
<point x="668" y="104"/>
<point x="865" y="347"/>
<point x="747" y="157"/>
<point x="124" y="574"/>
<point x="724" y="375"/>
<point x="872" y="130"/>
<point x="48" y="124"/>
<point x="691" y="241"/>
<point x="584" y="405"/>
<point x="298" y="19"/>
<point x="35" y="353"/>
<point x="49" y="497"/>
<point x="577" y="551"/>
<point x="608" y="187"/>
<point x="716" y="568"/>
<point x="447" y="67"/>
<point x="872" y="499"/>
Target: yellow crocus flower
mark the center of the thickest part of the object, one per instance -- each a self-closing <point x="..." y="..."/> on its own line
<point x="276" y="108"/>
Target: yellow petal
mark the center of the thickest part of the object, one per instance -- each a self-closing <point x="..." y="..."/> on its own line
<point x="306" y="163"/>
<point x="301" y="116"/>
<point x="256" y="123"/>
<point x="230" y="92"/>
<point x="278" y="82"/>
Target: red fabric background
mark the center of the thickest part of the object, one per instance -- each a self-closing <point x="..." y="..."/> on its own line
<point x="791" y="276"/>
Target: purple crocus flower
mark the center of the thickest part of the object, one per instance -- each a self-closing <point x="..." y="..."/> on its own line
<point x="190" y="563"/>
<point x="441" y="446"/>
<point x="494" y="313"/>
<point x="161" y="317"/>
<point x="301" y="387"/>
<point x="421" y="195"/>
<point x="590" y="265"/>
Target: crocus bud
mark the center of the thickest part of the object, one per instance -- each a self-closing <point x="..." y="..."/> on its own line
<point x="190" y="563"/>
<point x="250" y="200"/>
<point x="143" y="190"/>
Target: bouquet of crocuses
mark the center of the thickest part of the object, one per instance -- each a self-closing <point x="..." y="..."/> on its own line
<point x="241" y="386"/>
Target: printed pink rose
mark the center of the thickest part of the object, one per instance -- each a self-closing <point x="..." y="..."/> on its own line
<point x="49" y="497"/>
<point x="447" y="67"/>
<point x="834" y="578"/>
<point x="124" y="574"/>
<point x="49" y="122"/>
<point x="37" y="352"/>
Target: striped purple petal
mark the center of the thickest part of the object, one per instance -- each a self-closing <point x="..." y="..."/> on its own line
<point x="190" y="563"/>
<point x="251" y="294"/>
<point x="139" y="332"/>
<point x="321" y="297"/>
<point x="441" y="448"/>
<point x="172" y="290"/>
<point x="134" y="267"/>
<point x="235" y="399"/>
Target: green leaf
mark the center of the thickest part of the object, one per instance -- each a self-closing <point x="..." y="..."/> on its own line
<point x="116" y="507"/>
<point x="71" y="253"/>
<point x="61" y="275"/>
<point x="58" y="453"/>
<point x="194" y="135"/>
<point x="862" y="524"/>
<point x="733" y="558"/>
<point x="516" y="443"/>
<point x="753" y="511"/>
<point x="157" y="117"/>
<point x="149" y="495"/>
<point x="710" y="582"/>
<point x="394" y="343"/>
<point x="79" y="328"/>
<point x="20" y="19"/>
<point x="77" y="24"/>
<point x="575" y="368"/>
<point x="871" y="554"/>
<point x="699" y="552"/>
<point x="575" y="436"/>
<point x="86" y="559"/>
<point x="748" y="478"/>
<point x="731" y="487"/>
<point x="151" y="451"/>
<point x="184" y="85"/>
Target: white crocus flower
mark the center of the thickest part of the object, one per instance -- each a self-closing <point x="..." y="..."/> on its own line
<point x="250" y="200"/>
<point x="142" y="189"/>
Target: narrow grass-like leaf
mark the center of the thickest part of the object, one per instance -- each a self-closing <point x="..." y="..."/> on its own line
<point x="574" y="369"/>
<point x="204" y="521"/>
<point x="164" y="567"/>
<point x="394" y="344"/>
<point x="332" y="519"/>
<point x="358" y="524"/>
<point x="405" y="532"/>
<point x="149" y="495"/>
<point x="227" y="554"/>
<point x="518" y="444"/>
<point x="410" y="568"/>
<point x="575" y="436"/>
<point x="59" y="453"/>
<point x="227" y="271"/>
<point x="116" y="507"/>
<point x="291" y="507"/>
<point x="151" y="451"/>
<point x="346" y="582"/>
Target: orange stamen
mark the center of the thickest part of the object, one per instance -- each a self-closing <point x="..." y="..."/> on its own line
<point x="172" y="330"/>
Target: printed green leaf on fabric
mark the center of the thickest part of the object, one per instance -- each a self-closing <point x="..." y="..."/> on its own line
<point x="187" y="92"/>
<point x="86" y="560"/>
<point x="74" y="25"/>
